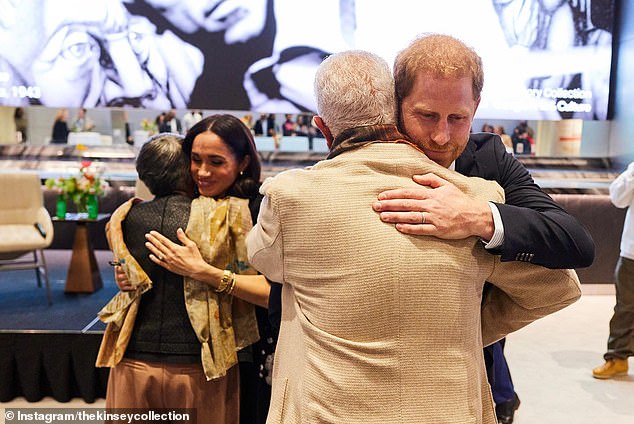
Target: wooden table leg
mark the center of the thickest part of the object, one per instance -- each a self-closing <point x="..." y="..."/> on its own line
<point x="83" y="272"/>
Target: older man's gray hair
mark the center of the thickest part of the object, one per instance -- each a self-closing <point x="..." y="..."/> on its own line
<point x="354" y="88"/>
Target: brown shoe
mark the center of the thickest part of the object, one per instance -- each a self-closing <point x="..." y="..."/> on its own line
<point x="611" y="368"/>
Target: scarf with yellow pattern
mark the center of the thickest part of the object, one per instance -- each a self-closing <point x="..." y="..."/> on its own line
<point x="222" y="323"/>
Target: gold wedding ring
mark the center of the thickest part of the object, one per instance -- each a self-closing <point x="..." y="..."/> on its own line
<point x="422" y="217"/>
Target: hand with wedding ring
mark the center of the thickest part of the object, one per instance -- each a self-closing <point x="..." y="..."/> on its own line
<point x="437" y="208"/>
<point x="184" y="259"/>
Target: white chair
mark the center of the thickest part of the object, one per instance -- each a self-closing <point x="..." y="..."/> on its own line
<point x="25" y="225"/>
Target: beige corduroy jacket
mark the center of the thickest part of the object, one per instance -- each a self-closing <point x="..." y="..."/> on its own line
<point x="379" y="326"/>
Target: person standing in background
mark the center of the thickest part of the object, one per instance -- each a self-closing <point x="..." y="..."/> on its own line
<point x="172" y="124"/>
<point x="271" y="126"/>
<point x="260" y="127"/>
<point x="20" y="124"/>
<point x="506" y="139"/>
<point x="129" y="139"/>
<point x="60" y="127"/>
<point x="191" y="118"/>
<point x="621" y="340"/>
<point x="288" y="127"/>
<point x="82" y="122"/>
<point x="522" y="139"/>
<point x="159" y="122"/>
<point x="248" y="121"/>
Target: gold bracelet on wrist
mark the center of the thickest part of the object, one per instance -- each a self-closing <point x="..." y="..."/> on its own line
<point x="227" y="277"/>
<point x="232" y="285"/>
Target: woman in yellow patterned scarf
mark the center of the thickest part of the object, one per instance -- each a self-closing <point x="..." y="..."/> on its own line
<point x="185" y="309"/>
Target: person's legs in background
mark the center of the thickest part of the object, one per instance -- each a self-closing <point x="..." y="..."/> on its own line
<point x="255" y="371"/>
<point x="621" y="340"/>
<point x="504" y="396"/>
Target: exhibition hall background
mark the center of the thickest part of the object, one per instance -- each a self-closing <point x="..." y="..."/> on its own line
<point x="599" y="139"/>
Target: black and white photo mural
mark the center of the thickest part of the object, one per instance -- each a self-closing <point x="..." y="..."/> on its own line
<point x="543" y="59"/>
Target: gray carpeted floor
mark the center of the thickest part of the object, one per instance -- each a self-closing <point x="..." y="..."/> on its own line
<point x="23" y="306"/>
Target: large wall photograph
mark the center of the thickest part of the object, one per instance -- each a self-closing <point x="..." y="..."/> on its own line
<point x="543" y="59"/>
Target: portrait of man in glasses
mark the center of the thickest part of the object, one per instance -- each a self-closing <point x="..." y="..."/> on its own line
<point x="73" y="53"/>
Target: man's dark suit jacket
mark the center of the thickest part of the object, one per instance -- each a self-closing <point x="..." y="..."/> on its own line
<point x="536" y="228"/>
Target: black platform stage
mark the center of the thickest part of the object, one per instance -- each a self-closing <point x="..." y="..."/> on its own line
<point x="50" y="351"/>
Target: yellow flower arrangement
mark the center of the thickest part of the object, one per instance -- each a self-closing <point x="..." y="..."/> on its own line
<point x="149" y="126"/>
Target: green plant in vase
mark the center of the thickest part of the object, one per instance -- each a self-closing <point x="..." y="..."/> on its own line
<point x="83" y="189"/>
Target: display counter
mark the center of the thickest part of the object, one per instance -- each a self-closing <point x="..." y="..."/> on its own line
<point x="85" y="138"/>
<point x="554" y="175"/>
<point x="115" y="163"/>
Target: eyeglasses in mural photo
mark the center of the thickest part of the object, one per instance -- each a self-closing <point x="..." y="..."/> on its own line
<point x="73" y="53"/>
<point x="543" y="59"/>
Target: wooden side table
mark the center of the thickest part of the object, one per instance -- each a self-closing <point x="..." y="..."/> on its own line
<point x="83" y="272"/>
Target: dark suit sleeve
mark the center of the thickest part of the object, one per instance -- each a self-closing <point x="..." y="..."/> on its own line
<point x="275" y="308"/>
<point x="536" y="228"/>
<point x="275" y="295"/>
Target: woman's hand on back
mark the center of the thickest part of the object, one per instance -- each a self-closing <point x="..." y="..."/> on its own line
<point x="122" y="280"/>
<point x="184" y="260"/>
